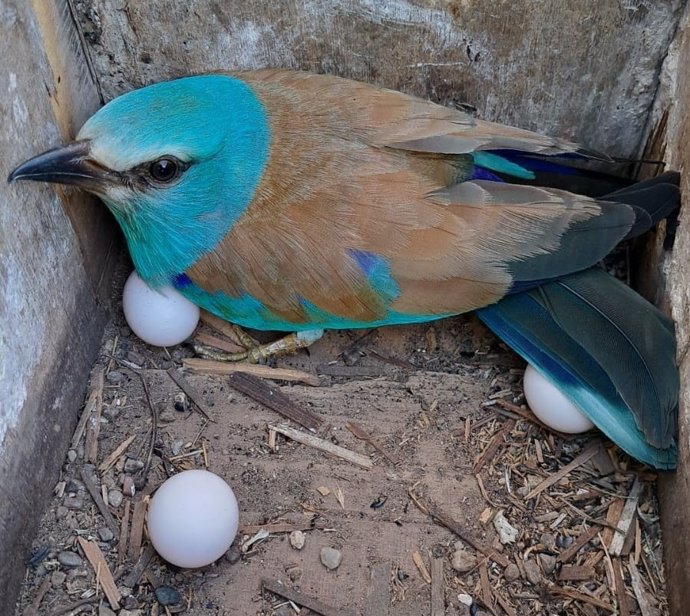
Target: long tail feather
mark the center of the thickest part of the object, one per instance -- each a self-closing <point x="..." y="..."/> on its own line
<point x="608" y="350"/>
<point x="658" y="196"/>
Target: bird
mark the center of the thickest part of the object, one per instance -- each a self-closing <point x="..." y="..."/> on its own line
<point x="300" y="202"/>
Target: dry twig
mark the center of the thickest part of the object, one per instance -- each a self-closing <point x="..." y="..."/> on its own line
<point x="278" y="588"/>
<point x="124" y="532"/>
<point x="640" y="595"/>
<point x="419" y="563"/>
<point x="218" y="343"/>
<point x="587" y="454"/>
<point x="323" y="445"/>
<point x="360" y="433"/>
<point x="493" y="446"/>
<point x="103" y="574"/>
<point x="627" y="518"/>
<point x="274" y="399"/>
<point x="209" y="366"/>
<point x="583" y="539"/>
<point x="95" y="394"/>
<point x="116" y="453"/>
<point x="136" y="532"/>
<point x="137" y="571"/>
<point x="34" y="608"/>
<point x="451" y="524"/>
<point x="438" y="603"/>
<point x="102" y="507"/>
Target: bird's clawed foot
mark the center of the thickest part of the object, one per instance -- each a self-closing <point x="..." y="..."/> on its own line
<point x="260" y="353"/>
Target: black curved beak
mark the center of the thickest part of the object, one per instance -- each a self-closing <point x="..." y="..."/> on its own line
<point x="66" y="165"/>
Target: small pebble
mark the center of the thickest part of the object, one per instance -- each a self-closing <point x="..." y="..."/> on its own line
<point x="511" y="572"/>
<point x="294" y="573"/>
<point x="71" y="455"/>
<point x="73" y="486"/>
<point x="506" y="532"/>
<point x="532" y="571"/>
<point x="74" y="574"/>
<point x="233" y="555"/>
<point x="105" y="533"/>
<point x="331" y="558"/>
<point x="61" y="511"/>
<point x="57" y="578"/>
<point x="104" y="610"/>
<point x="297" y="539"/>
<point x="548" y="540"/>
<point x="181" y="403"/>
<point x="136" y="358"/>
<point x="111" y="412"/>
<point x="465" y="599"/>
<point x="284" y="610"/>
<point x="167" y="595"/>
<point x="463" y="610"/>
<point x="548" y="563"/>
<point x="125" y="332"/>
<point x="40" y="571"/>
<point x="167" y="416"/>
<point x="129" y="602"/>
<point x="128" y="485"/>
<point x="114" y="376"/>
<point x="74" y="503"/>
<point x="132" y="465"/>
<point x="70" y="559"/>
<point x="439" y="551"/>
<point x="463" y="560"/>
<point x="176" y="447"/>
<point x="115" y="498"/>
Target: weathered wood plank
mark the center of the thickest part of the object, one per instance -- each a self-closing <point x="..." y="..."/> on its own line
<point x="674" y="488"/>
<point x="51" y="319"/>
<point x="541" y="64"/>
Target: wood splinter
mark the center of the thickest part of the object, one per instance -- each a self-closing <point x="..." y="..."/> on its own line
<point x="311" y="603"/>
<point x="103" y="574"/>
<point x="324" y="445"/>
<point x="453" y="525"/>
<point x="274" y="399"/>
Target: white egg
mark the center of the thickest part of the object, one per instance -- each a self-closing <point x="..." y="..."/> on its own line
<point x="160" y="317"/>
<point x="193" y="518"/>
<point x="550" y="405"/>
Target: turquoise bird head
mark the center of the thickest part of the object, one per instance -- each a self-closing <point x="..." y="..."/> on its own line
<point x="176" y="162"/>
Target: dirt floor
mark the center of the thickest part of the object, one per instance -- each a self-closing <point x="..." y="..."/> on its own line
<point x="456" y="456"/>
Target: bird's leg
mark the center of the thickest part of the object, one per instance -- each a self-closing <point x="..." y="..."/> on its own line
<point x="259" y="353"/>
<point x="243" y="338"/>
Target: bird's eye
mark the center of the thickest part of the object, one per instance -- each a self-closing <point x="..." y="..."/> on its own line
<point x="164" y="170"/>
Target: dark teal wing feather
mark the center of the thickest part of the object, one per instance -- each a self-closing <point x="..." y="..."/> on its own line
<point x="609" y="351"/>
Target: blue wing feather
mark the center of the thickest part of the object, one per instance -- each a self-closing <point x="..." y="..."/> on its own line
<point x="620" y="370"/>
